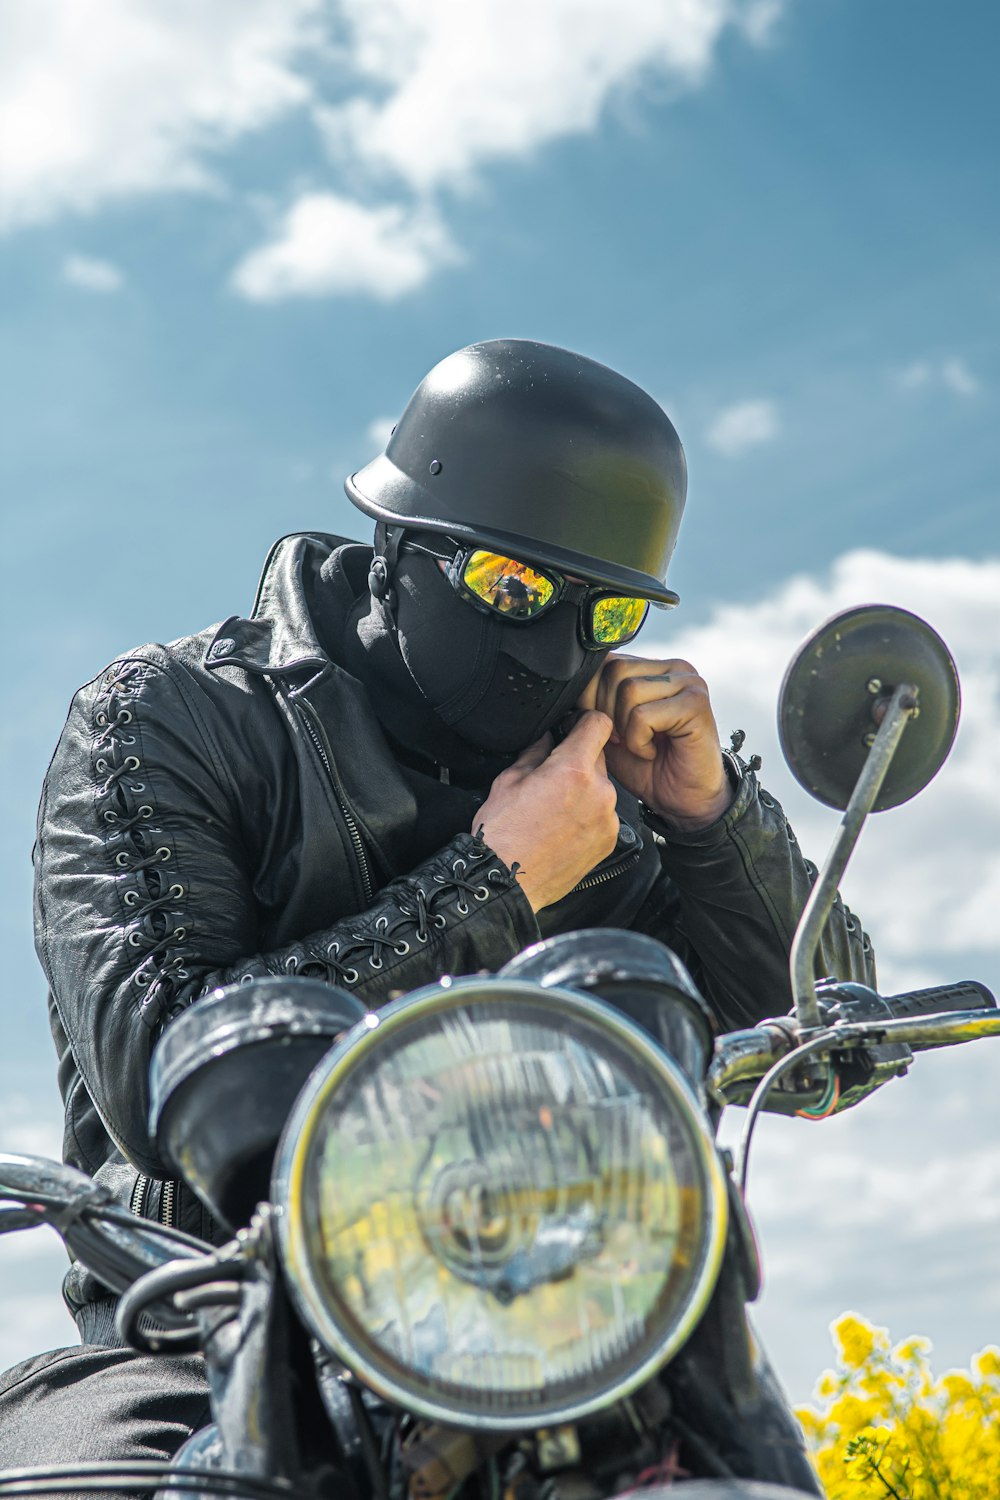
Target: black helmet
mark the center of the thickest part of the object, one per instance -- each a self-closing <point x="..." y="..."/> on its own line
<point x="540" y="453"/>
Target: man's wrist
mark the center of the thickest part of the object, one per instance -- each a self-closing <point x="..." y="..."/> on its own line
<point x="714" y="809"/>
<point x="668" y="824"/>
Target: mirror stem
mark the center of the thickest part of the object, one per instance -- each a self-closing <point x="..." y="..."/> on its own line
<point x="901" y="708"/>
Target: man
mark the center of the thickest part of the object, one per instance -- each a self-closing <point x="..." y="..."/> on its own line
<point x="402" y="764"/>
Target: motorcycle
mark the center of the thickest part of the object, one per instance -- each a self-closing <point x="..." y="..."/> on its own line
<point x="485" y="1242"/>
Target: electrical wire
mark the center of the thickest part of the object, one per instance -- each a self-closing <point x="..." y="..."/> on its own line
<point x="826" y="1106"/>
<point x="112" y="1212"/>
<point x="145" y="1475"/>
<point x="820" y="1043"/>
<point x="118" y="1215"/>
<point x="160" y="1285"/>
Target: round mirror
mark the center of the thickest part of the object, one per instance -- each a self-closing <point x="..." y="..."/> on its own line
<point x="835" y="692"/>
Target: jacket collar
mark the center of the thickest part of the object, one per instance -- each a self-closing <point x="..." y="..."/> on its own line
<point x="280" y="635"/>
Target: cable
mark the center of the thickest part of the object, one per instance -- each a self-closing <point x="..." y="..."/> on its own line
<point x="118" y="1215"/>
<point x="820" y="1043"/>
<point x="826" y="1106"/>
<point x="369" y="1443"/>
<point x="112" y="1212"/>
<point x="160" y="1286"/>
<point x="126" y="1476"/>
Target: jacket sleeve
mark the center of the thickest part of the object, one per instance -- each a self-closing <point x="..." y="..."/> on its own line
<point x="144" y="897"/>
<point x="733" y="898"/>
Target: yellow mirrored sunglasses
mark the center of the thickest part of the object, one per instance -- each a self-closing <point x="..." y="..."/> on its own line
<point x="522" y="592"/>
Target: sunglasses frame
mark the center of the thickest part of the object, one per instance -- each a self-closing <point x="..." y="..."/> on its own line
<point x="580" y="594"/>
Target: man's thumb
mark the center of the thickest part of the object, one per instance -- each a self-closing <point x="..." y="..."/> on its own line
<point x="532" y="756"/>
<point x="588" y="737"/>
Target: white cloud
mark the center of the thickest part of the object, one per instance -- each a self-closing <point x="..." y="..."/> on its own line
<point x="32" y="1262"/>
<point x="91" y="275"/>
<point x="746" y="424"/>
<point x="894" y="1207"/>
<point x="25" y="1129"/>
<point x="760" y="19"/>
<point x="953" y="374"/>
<point x="331" y="244"/>
<point x="925" y="921"/>
<point x="380" y="431"/>
<point x="107" y="98"/>
<point x="451" y="85"/>
<point x="36" y="1321"/>
<point x="959" y="378"/>
<point x="914" y="376"/>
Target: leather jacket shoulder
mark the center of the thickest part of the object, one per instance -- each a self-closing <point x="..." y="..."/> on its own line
<point x="197" y="827"/>
<point x="227" y="806"/>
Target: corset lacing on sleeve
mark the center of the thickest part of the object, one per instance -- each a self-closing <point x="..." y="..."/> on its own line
<point x="140" y="851"/>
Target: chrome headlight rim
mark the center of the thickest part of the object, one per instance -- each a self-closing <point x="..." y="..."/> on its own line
<point x="388" y="1377"/>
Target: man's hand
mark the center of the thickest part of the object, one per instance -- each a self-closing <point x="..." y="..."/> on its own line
<point x="665" y="745"/>
<point x="553" y="811"/>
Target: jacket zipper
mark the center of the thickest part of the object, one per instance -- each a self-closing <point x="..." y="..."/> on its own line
<point x="603" y="876"/>
<point x="168" y="1204"/>
<point x="314" y="729"/>
<point x="139" y="1201"/>
<point x="140" y="1195"/>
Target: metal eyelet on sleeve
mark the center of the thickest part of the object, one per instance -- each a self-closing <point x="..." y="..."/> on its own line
<point x="153" y="933"/>
<point x="429" y="911"/>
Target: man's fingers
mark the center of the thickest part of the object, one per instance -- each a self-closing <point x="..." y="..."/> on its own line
<point x="588" y="698"/>
<point x="622" y="676"/>
<point x="533" y="755"/>
<point x="653" y="709"/>
<point x="586" y="740"/>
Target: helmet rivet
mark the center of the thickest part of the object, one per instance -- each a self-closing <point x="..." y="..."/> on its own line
<point x="435" y="466"/>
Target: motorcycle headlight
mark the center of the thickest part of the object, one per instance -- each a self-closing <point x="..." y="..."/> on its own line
<point x="499" y="1204"/>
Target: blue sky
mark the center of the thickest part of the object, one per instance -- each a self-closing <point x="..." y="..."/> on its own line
<point x="231" y="243"/>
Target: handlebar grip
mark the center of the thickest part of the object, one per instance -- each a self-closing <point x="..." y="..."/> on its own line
<point x="967" y="994"/>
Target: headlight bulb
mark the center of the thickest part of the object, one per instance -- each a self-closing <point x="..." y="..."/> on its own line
<point x="501" y="1206"/>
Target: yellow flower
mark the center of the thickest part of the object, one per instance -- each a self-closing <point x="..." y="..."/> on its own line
<point x="855" y="1339"/>
<point x="957" y="1386"/>
<point x="883" y="1423"/>
<point x="851" y="1414"/>
<point x="987" y="1363"/>
<point x="912" y="1350"/>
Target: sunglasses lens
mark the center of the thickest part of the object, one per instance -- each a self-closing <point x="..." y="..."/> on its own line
<point x="614" y="621"/>
<point x="511" y="588"/>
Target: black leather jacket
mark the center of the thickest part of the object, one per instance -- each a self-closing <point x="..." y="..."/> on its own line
<point x="228" y="806"/>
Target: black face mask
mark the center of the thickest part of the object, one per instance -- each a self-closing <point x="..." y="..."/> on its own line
<point x="497" y="685"/>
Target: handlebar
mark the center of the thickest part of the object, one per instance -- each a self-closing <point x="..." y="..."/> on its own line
<point x="940" y="1016"/>
<point x="967" y="994"/>
<point x="113" y="1243"/>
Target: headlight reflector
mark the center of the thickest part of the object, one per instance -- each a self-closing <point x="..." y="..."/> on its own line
<point x="501" y="1205"/>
